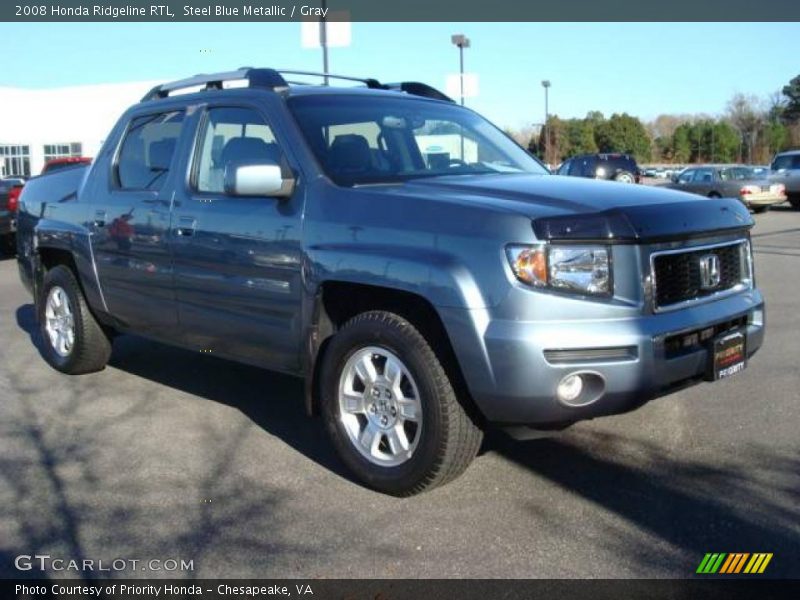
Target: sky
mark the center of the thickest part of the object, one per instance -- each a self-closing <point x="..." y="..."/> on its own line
<point x="639" y="68"/>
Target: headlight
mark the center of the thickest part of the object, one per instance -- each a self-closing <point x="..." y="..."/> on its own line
<point x="580" y="269"/>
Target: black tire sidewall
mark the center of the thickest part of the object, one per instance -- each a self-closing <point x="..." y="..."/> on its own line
<point x="621" y="174"/>
<point x="401" y="478"/>
<point x="62" y="277"/>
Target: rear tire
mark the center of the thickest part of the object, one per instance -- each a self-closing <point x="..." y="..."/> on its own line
<point x="794" y="200"/>
<point x="714" y="195"/>
<point x="624" y="177"/>
<point x="73" y="341"/>
<point x="760" y="209"/>
<point x="390" y="409"/>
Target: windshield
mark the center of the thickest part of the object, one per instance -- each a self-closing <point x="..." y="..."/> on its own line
<point x="786" y="161"/>
<point x="371" y="139"/>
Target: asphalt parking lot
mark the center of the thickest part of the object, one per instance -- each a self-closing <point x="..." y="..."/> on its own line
<point x="169" y="454"/>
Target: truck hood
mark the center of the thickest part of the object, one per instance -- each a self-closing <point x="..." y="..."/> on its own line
<point x="632" y="211"/>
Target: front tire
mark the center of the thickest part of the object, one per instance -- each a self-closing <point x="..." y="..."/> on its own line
<point x="794" y="200"/>
<point x="73" y="341"/>
<point x="390" y="408"/>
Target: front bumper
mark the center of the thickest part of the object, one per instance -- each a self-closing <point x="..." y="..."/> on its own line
<point x="512" y="381"/>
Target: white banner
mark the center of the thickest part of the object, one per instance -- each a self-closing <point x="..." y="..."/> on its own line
<point x="453" y="85"/>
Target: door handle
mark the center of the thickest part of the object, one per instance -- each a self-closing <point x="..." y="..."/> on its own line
<point x="186" y="226"/>
<point x="99" y="218"/>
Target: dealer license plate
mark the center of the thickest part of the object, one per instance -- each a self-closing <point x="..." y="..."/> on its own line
<point x="729" y="355"/>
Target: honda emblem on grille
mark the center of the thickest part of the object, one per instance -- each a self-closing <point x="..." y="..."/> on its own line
<point x="709" y="271"/>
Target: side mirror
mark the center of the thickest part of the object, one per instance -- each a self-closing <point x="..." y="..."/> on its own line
<point x="260" y="179"/>
<point x="674" y="179"/>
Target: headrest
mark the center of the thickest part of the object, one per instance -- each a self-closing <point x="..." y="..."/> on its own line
<point x="350" y="153"/>
<point x="247" y="149"/>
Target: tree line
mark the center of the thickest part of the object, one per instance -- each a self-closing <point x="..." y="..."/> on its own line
<point x="751" y="130"/>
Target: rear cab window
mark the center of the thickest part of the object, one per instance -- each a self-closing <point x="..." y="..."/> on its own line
<point x="147" y="150"/>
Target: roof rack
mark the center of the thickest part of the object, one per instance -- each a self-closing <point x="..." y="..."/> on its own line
<point x="273" y="79"/>
<point x="418" y="89"/>
<point x="256" y="78"/>
<point x="369" y="82"/>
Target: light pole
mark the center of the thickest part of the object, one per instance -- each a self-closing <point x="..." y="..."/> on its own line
<point x="323" y="40"/>
<point x="546" y="86"/>
<point x="462" y="41"/>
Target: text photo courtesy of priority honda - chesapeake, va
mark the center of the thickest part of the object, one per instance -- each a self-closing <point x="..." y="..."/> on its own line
<point x="346" y="300"/>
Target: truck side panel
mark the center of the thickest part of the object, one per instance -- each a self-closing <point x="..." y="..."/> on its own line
<point x="53" y="219"/>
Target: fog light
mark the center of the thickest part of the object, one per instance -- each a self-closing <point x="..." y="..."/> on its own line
<point x="570" y="388"/>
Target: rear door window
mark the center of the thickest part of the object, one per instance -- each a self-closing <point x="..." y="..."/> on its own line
<point x="703" y="176"/>
<point x="147" y="151"/>
<point x="623" y="163"/>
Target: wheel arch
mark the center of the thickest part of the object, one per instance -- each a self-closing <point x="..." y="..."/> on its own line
<point x="336" y="302"/>
<point x="61" y="243"/>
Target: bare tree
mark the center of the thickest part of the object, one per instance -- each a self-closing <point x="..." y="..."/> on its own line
<point x="748" y="116"/>
<point x="522" y="135"/>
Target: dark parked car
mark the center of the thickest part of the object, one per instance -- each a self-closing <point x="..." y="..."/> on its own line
<point x="421" y="271"/>
<point x="9" y="194"/>
<point x="754" y="188"/>
<point x="614" y="167"/>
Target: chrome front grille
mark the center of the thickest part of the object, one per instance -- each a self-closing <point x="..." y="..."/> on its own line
<point x="692" y="274"/>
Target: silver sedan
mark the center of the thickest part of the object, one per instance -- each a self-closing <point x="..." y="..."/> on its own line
<point x="731" y="181"/>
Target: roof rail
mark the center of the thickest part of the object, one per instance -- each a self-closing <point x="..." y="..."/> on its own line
<point x="258" y="78"/>
<point x="370" y="83"/>
<point x="410" y="87"/>
<point x="273" y="79"/>
<point x="418" y="89"/>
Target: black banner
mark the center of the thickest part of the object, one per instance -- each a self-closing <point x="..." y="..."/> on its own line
<point x="486" y="589"/>
<point x="400" y="10"/>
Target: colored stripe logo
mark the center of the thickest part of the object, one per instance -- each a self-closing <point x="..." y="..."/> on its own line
<point x="734" y="563"/>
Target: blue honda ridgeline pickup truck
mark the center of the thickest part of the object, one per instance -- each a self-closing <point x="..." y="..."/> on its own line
<point x="423" y="273"/>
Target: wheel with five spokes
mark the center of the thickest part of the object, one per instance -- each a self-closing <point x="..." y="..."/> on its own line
<point x="74" y="342"/>
<point x="390" y="407"/>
